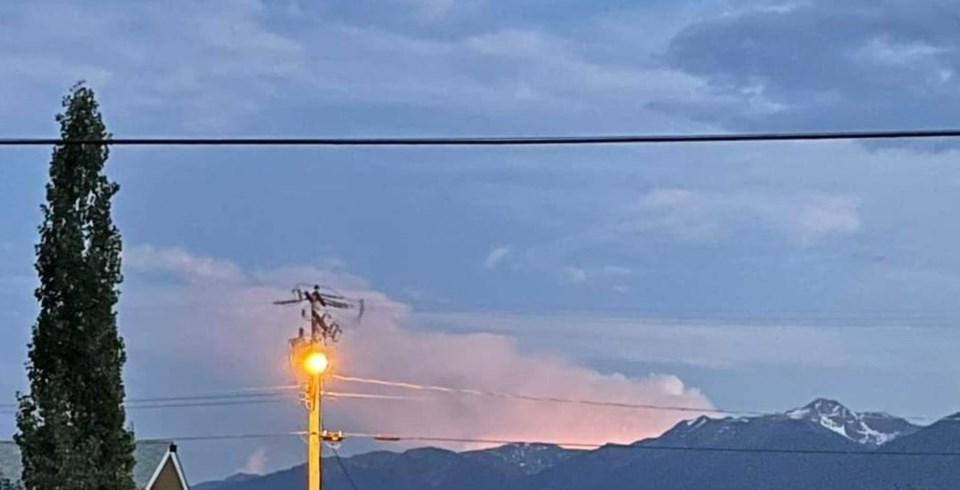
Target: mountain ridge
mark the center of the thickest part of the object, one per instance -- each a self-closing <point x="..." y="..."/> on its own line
<point x="856" y="455"/>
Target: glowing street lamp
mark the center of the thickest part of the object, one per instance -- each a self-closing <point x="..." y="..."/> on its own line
<point x="316" y="363"/>
<point x="310" y="362"/>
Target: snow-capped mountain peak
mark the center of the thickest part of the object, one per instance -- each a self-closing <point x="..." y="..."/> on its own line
<point x="528" y="458"/>
<point x="871" y="429"/>
<point x="821" y="407"/>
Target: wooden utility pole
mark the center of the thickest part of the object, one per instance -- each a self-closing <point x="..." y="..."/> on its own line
<point x="310" y="360"/>
<point x="314" y="427"/>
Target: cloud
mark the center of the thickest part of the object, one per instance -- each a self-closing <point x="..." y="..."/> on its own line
<point x="583" y="274"/>
<point x="685" y="214"/>
<point x="749" y="342"/>
<point x="824" y="216"/>
<point x="575" y="274"/>
<point x="419" y="295"/>
<point x="169" y="62"/>
<point x="229" y="335"/>
<point x="541" y="72"/>
<point x="429" y="9"/>
<point x="823" y="65"/>
<point x="177" y="261"/>
<point x="266" y="58"/>
<point x="496" y="257"/>
<point x="707" y="217"/>
<point x="257" y="463"/>
<point x="490" y="362"/>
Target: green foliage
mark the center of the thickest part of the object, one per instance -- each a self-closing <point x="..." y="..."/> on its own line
<point x="72" y="423"/>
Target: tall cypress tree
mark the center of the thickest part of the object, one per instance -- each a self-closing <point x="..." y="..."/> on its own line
<point x="72" y="431"/>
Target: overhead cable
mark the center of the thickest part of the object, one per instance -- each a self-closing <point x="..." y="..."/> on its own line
<point x="494" y="140"/>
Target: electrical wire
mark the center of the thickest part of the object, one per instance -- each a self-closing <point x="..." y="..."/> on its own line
<point x="224" y="437"/>
<point x="868" y="320"/>
<point x="194" y="401"/>
<point x="578" y="401"/>
<point x="468" y="391"/>
<point x="579" y="445"/>
<point x="639" y="447"/>
<point x="499" y="140"/>
<point x="381" y="437"/>
<point x="283" y="394"/>
<point x="649" y="447"/>
<point x="226" y="403"/>
<point x="252" y="392"/>
<point x="211" y="396"/>
<point x="343" y="468"/>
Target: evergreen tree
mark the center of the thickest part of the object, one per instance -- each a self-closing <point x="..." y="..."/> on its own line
<point x="72" y="431"/>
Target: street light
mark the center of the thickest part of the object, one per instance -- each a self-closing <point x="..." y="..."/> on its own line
<point x="311" y="363"/>
<point x="316" y="363"/>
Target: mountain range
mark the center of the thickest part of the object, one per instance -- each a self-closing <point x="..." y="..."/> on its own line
<point x="823" y="445"/>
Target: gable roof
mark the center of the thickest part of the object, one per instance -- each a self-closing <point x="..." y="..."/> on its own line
<point x="149" y="455"/>
<point x="170" y="463"/>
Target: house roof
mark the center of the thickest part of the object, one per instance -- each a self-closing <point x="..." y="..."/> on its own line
<point x="148" y="454"/>
<point x="9" y="460"/>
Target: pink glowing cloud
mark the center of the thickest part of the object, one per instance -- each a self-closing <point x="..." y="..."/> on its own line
<point x="237" y="338"/>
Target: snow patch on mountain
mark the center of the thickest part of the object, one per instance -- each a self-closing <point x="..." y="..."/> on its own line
<point x="869" y="428"/>
<point x="527" y="458"/>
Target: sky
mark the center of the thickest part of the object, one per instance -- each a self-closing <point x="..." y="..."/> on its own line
<point x="750" y="276"/>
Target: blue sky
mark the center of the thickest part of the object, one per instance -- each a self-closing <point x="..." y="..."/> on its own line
<point x="748" y="276"/>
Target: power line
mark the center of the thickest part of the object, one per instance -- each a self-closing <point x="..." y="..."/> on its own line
<point x="210" y="396"/>
<point x="244" y="397"/>
<point x="343" y="468"/>
<point x="188" y="398"/>
<point x="498" y="140"/>
<point x="579" y="401"/>
<point x="203" y="400"/>
<point x="206" y="404"/>
<point x="880" y="320"/>
<point x="184" y="405"/>
<point x="649" y="447"/>
<point x="380" y="437"/>
<point x="232" y="399"/>
<point x="468" y="391"/>
<point x="224" y="437"/>
<point x="252" y="392"/>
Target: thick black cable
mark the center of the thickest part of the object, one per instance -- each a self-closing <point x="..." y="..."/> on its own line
<point x="497" y="140"/>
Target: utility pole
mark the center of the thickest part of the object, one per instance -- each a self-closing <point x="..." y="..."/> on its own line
<point x="310" y="361"/>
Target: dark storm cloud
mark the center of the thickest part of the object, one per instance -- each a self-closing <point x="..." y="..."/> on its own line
<point x="825" y="65"/>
